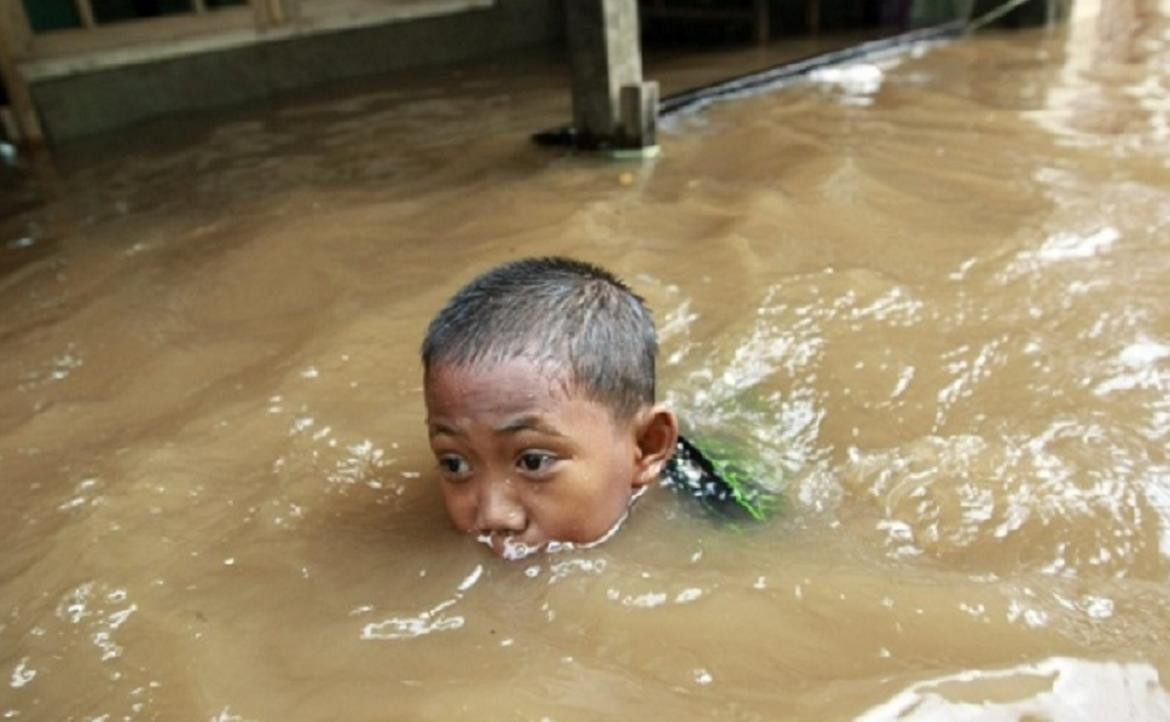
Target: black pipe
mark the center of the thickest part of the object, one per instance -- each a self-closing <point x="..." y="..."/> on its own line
<point x="773" y="77"/>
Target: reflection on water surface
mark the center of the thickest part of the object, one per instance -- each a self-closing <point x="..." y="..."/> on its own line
<point x="929" y="293"/>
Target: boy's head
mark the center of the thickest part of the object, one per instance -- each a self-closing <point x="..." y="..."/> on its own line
<point x="539" y="384"/>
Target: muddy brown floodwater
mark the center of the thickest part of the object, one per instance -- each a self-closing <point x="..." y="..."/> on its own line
<point x="932" y="294"/>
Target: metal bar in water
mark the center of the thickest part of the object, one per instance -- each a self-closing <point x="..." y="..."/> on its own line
<point x="776" y="75"/>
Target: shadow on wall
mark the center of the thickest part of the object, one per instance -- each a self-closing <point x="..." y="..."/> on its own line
<point x="726" y="22"/>
<point x="737" y="21"/>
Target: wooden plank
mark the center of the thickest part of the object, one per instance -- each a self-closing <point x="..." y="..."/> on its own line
<point x="18" y="94"/>
<point x="66" y="52"/>
<point x="345" y="14"/>
<point x="146" y="31"/>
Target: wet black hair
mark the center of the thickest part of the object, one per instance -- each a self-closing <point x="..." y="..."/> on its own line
<point x="557" y="312"/>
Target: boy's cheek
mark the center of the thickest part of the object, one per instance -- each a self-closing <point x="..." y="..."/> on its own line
<point x="460" y="511"/>
<point x="576" y="518"/>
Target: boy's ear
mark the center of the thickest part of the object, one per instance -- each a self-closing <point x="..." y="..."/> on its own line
<point x="657" y="437"/>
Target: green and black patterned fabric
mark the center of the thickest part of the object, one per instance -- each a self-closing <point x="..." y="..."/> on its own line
<point x="721" y="479"/>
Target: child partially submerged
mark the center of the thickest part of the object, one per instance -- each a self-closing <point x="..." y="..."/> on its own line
<point x="539" y="384"/>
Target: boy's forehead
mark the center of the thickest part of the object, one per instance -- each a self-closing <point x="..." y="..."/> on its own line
<point x="511" y="386"/>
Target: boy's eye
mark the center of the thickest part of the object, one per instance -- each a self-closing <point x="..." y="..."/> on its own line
<point x="534" y="461"/>
<point x="453" y="465"/>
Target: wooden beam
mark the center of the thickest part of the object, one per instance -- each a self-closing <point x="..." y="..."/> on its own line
<point x="21" y="99"/>
<point x="129" y="37"/>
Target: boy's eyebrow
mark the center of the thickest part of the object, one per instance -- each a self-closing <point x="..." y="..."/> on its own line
<point x="441" y="428"/>
<point x="527" y="423"/>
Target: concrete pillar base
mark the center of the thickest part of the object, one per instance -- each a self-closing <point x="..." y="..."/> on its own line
<point x="612" y="107"/>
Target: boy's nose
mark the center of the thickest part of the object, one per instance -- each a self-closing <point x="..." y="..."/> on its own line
<point x="498" y="508"/>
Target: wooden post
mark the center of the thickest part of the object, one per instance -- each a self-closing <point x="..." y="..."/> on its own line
<point x="763" y="21"/>
<point x="15" y="36"/>
<point x="268" y="13"/>
<point x="284" y="11"/>
<point x="605" y="56"/>
<point x="14" y="28"/>
<point x="85" y="11"/>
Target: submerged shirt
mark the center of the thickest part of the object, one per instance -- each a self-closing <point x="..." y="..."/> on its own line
<point x="723" y="484"/>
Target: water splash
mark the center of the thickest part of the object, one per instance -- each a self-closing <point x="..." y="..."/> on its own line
<point x="515" y="550"/>
<point x="426" y="622"/>
<point x="1058" y="688"/>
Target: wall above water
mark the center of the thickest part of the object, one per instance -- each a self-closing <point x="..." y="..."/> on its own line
<point x="80" y="67"/>
<point x="84" y="93"/>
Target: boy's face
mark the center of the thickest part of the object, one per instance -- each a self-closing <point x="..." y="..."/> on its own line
<point x="525" y="460"/>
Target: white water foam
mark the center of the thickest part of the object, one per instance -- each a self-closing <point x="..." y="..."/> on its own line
<point x="516" y="550"/>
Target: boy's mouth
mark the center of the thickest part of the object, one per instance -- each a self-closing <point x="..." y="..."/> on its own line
<point x="507" y="546"/>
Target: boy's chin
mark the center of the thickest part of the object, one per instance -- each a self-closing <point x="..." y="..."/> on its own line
<point x="513" y="549"/>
